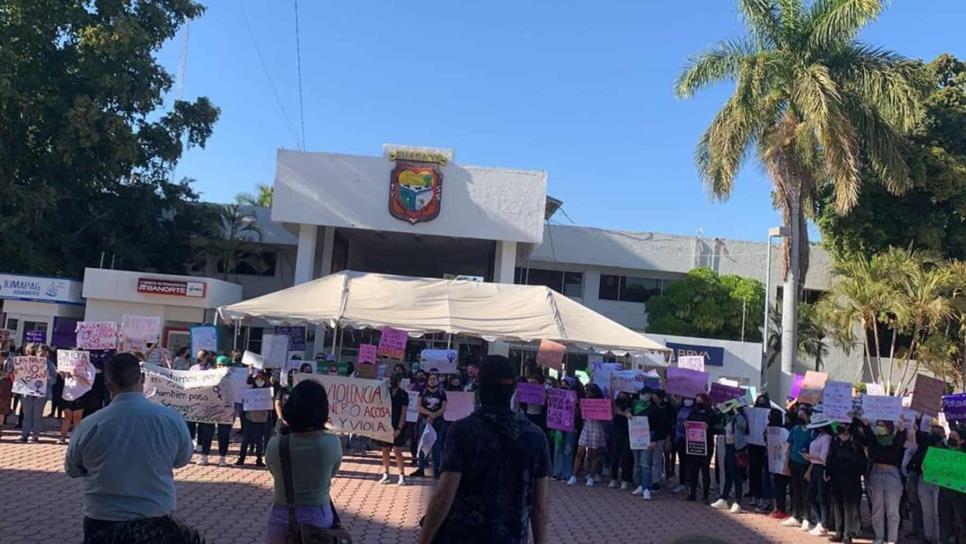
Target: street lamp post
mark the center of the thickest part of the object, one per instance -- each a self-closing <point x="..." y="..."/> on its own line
<point x="774" y="232"/>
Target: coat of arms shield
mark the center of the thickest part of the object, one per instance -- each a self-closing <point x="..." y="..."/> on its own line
<point x="415" y="191"/>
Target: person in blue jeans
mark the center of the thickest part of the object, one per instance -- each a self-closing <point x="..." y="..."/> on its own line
<point x="432" y="405"/>
<point x="659" y="426"/>
<point x="566" y="446"/>
<point x="736" y="443"/>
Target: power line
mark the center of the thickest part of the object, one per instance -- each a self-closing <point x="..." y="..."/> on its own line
<point x="298" y="58"/>
<point x="261" y="59"/>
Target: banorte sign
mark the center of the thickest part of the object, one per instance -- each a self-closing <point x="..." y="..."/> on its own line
<point x="176" y="288"/>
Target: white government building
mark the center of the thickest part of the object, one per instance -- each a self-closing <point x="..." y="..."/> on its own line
<point x="417" y="212"/>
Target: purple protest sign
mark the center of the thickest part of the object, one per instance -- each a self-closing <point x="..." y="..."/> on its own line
<point x="531" y="393"/>
<point x="686" y="382"/>
<point x="36" y="337"/>
<point x="797" y="380"/>
<point x="720" y="393"/>
<point x="561" y="407"/>
<point x="954" y="406"/>
<point x="595" y="409"/>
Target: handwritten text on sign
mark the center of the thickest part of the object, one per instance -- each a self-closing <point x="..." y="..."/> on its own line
<point x="595" y="409"/>
<point x="696" y="437"/>
<point x="561" y="409"/>
<point x="204" y="337"/>
<point x="530" y="393"/>
<point x="367" y="353"/>
<point x="97" y="335"/>
<point x="30" y="376"/>
<point x="202" y="396"/>
<point x="686" y="382"/>
<point x="68" y="360"/>
<point x="954" y="406"/>
<point x="881" y="407"/>
<point x="357" y="405"/>
<point x="837" y="401"/>
<point x="392" y="343"/>
<point x="776" y="439"/>
<point x="693" y="362"/>
<point x="140" y="327"/>
<point x="258" y="398"/>
<point x="945" y="468"/>
<point x="640" y="432"/>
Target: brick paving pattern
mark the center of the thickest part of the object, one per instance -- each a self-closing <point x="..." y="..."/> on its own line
<point x="229" y="506"/>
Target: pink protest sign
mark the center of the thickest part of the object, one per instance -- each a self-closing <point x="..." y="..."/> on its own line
<point x="813" y="387"/>
<point x="97" y="335"/>
<point x="561" y="408"/>
<point x="367" y="353"/>
<point x="458" y="405"/>
<point x="720" y="393"/>
<point x="551" y="354"/>
<point x="686" y="382"/>
<point x="595" y="409"/>
<point x="392" y="343"/>
<point x="696" y="436"/>
<point x="531" y="393"/>
<point x="797" y="380"/>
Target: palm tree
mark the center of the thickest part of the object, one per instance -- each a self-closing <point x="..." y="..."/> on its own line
<point x="263" y="196"/>
<point x="232" y="241"/>
<point x="817" y="107"/>
<point x="811" y="338"/>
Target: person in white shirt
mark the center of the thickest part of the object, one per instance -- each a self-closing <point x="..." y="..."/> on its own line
<point x="77" y="385"/>
<point x="817" y="494"/>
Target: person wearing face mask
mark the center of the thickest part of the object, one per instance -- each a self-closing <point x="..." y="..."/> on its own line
<point x="621" y="458"/>
<point x="736" y="442"/>
<point x="799" y="438"/>
<point x="400" y="402"/>
<point x="416" y="386"/>
<point x="432" y="405"/>
<point x="886" y="446"/>
<point x="951" y="503"/>
<point x="757" y="456"/>
<point x="779" y="480"/>
<point x="590" y="443"/>
<point x="927" y="493"/>
<point x="844" y="468"/>
<point x="680" y="444"/>
<point x="645" y="459"/>
<point x="563" y="456"/>
<point x="256" y="422"/>
<point x="702" y="412"/>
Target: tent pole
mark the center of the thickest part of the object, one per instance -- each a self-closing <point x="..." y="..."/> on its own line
<point x="248" y="337"/>
<point x="449" y="340"/>
<point x="234" y="336"/>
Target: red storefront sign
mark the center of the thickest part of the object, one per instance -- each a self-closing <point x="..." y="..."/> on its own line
<point x="177" y="288"/>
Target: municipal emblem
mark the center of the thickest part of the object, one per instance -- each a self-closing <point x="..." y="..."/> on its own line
<point x="415" y="191"/>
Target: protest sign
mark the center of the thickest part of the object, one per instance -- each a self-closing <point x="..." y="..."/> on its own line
<point x="459" y="404"/>
<point x="238" y="378"/>
<point x="97" y="335"/>
<point x="561" y="409"/>
<point x="68" y="360"/>
<point x="776" y="439"/>
<point x="35" y="336"/>
<point x="392" y="343"/>
<point x="720" y="393"/>
<point x="696" y="437"/>
<point x="5" y="335"/>
<point x="927" y="395"/>
<point x="837" y="401"/>
<point x="686" y="382"/>
<point x="274" y="350"/>
<point x="140" y="327"/>
<point x="442" y="361"/>
<point x="531" y="393"/>
<point x="367" y="353"/>
<point x="412" y="414"/>
<point x="626" y="381"/>
<point x="550" y="354"/>
<point x="812" y="387"/>
<point x="639" y="428"/>
<point x="595" y="409"/>
<point x="253" y="360"/>
<point x="797" y="380"/>
<point x="945" y="468"/>
<point x="202" y="396"/>
<point x="296" y="336"/>
<point x="204" y="337"/>
<point x="729" y="382"/>
<point x="875" y="389"/>
<point x="356" y="405"/>
<point x="693" y="362"/>
<point x="257" y="398"/>
<point x="367" y="371"/>
<point x="757" y="421"/>
<point x="881" y="408"/>
<point x="954" y="406"/>
<point x="30" y="376"/>
<point x="601" y="372"/>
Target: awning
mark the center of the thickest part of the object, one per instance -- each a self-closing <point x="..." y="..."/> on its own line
<point x="492" y="311"/>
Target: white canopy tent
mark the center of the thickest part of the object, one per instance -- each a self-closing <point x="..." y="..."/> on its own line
<point x="492" y="311"/>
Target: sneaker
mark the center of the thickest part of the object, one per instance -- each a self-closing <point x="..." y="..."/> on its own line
<point x="735" y="508"/>
<point x="790" y="521"/>
<point x="23" y="439"/>
<point x="61" y="440"/>
<point x="805" y="525"/>
<point x="34" y="439"/>
<point x="613" y="484"/>
<point x="259" y="463"/>
<point x="778" y="514"/>
<point x="572" y="480"/>
<point x="221" y="461"/>
<point x="679" y="489"/>
<point x="385" y="479"/>
<point x="204" y="461"/>
<point x="623" y="486"/>
<point x="240" y="462"/>
<point x="819" y="530"/>
<point x="637" y="491"/>
<point x="836" y="538"/>
<point x="401" y="480"/>
<point x="720" y="504"/>
<point x="418" y="473"/>
<point x="590" y="482"/>
<point x="647" y="494"/>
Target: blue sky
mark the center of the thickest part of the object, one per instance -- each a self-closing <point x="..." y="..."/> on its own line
<point x="582" y="90"/>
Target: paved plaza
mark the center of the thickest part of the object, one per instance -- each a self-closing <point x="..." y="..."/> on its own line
<point x="229" y="505"/>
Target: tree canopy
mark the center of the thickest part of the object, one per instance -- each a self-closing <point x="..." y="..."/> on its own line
<point x="931" y="215"/>
<point x="708" y="305"/>
<point x="87" y="146"/>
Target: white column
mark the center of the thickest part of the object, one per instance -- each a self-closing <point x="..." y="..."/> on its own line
<point x="305" y="255"/>
<point x="504" y="264"/>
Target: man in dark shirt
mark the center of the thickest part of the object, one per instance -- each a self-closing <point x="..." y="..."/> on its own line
<point x="432" y="406"/>
<point x="495" y="471"/>
<point x="400" y="402"/>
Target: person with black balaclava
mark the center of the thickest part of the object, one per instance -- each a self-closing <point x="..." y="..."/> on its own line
<point x="844" y="468"/>
<point x="702" y="412"/>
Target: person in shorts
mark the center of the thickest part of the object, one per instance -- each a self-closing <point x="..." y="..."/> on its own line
<point x="400" y="401"/>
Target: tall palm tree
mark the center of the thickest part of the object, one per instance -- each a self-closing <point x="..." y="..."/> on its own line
<point x="812" y="338"/>
<point x="232" y="241"/>
<point x="817" y="107"/>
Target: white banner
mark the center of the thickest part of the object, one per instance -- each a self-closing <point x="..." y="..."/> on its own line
<point x="202" y="396"/>
<point x="275" y="350"/>
<point x="837" y="401"/>
<point x="694" y="362"/>
<point x="881" y="407"/>
<point x="356" y="405"/>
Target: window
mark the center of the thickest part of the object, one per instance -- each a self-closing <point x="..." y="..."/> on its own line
<point x="567" y="283"/>
<point x="254" y="343"/>
<point x="629" y="288"/>
<point x="246" y="264"/>
<point x="573" y="284"/>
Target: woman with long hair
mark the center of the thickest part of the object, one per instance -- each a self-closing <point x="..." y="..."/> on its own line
<point x="592" y="440"/>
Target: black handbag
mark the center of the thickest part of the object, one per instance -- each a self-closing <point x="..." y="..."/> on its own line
<point x="305" y="533"/>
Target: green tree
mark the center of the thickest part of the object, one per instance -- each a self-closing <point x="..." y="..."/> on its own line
<point x="708" y="305"/>
<point x="87" y="148"/>
<point x="814" y="104"/>
<point x="232" y="239"/>
<point x="263" y="196"/>
<point x="931" y="214"/>
<point x="813" y="336"/>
